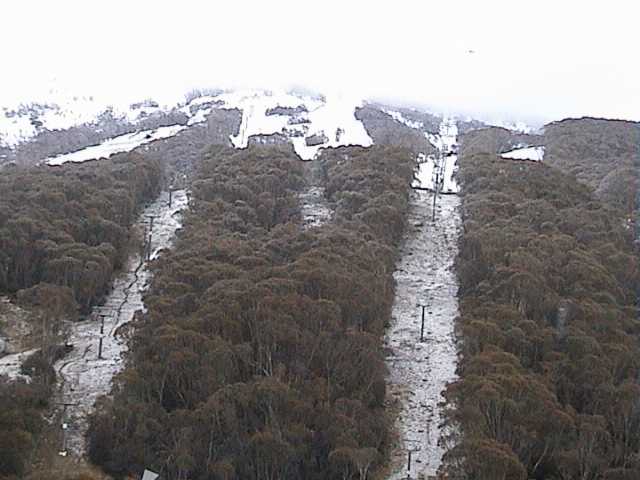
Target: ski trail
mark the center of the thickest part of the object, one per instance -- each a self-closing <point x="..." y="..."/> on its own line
<point x="314" y="208"/>
<point x="83" y="375"/>
<point x="420" y="370"/>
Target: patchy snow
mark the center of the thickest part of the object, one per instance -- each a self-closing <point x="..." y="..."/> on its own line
<point x="439" y="170"/>
<point x="314" y="208"/>
<point x="254" y="105"/>
<point x="200" y="116"/>
<point x="515" y="126"/>
<point x="10" y="364"/>
<point x="335" y="119"/>
<point x="120" y="144"/>
<point x="398" y="117"/>
<point x="330" y="120"/>
<point x="535" y="154"/>
<point x="58" y="109"/>
<point x="83" y="375"/>
<point x="313" y="123"/>
<point x="419" y="371"/>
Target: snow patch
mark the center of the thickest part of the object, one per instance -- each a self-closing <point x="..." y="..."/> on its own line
<point x="120" y="144"/>
<point x="439" y="170"/>
<point x="535" y="154"/>
<point x="10" y="365"/>
<point x="331" y="119"/>
<point x="398" y="117"/>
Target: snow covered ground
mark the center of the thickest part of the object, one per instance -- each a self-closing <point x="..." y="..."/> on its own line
<point x="535" y="154"/>
<point x="420" y="370"/>
<point x="83" y="374"/>
<point x="60" y="111"/>
<point x="314" y="207"/>
<point x="10" y="364"/>
<point x="120" y="144"/>
<point x="330" y="121"/>
<point x="310" y="123"/>
<point x="442" y="167"/>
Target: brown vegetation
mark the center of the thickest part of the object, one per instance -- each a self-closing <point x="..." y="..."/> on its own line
<point x="260" y="354"/>
<point x="64" y="231"/>
<point x="549" y="327"/>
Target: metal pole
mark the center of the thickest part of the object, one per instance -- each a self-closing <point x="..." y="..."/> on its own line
<point x="435" y="196"/>
<point x="422" y="327"/>
<point x="100" y="349"/>
<point x="409" y="462"/>
<point x="149" y="248"/>
<point x="170" y="196"/>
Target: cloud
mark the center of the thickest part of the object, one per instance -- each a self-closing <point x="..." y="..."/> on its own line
<point x="543" y="59"/>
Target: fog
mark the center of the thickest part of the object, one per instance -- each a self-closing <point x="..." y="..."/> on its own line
<point x="533" y="61"/>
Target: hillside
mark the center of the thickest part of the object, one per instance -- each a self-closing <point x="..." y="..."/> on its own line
<point x="257" y="284"/>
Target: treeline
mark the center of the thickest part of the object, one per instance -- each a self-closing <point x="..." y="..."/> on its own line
<point x="259" y="356"/>
<point x="604" y="154"/>
<point x="69" y="225"/>
<point x="550" y="360"/>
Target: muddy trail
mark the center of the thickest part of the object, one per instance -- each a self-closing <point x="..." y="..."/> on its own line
<point x="314" y="207"/>
<point x="86" y="373"/>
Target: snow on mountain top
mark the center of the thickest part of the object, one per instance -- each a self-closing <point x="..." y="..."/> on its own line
<point x="123" y="143"/>
<point x="311" y="124"/>
<point x="535" y="154"/>
<point x="19" y="123"/>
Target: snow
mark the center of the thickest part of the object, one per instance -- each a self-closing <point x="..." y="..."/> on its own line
<point x="535" y="154"/>
<point x="442" y="166"/>
<point x="336" y="120"/>
<point x="20" y="123"/>
<point x="120" y="144"/>
<point x="84" y="377"/>
<point x="398" y="117"/>
<point x="420" y="370"/>
<point x="10" y="364"/>
<point x="332" y="118"/>
<point x="200" y="116"/>
<point x="314" y="208"/>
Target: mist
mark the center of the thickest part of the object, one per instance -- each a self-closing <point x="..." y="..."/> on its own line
<point x="532" y="61"/>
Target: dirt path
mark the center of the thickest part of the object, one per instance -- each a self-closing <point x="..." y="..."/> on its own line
<point x="83" y="374"/>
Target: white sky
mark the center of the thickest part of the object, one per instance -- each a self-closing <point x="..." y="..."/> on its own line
<point x="542" y="59"/>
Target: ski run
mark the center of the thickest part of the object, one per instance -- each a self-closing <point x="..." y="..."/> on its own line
<point x="87" y="372"/>
<point x="420" y="368"/>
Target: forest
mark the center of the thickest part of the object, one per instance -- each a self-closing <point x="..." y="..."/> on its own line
<point x="549" y="326"/>
<point x="259" y="356"/>
<point x="64" y="233"/>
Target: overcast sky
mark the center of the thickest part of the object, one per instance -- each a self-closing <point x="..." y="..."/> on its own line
<point x="542" y="59"/>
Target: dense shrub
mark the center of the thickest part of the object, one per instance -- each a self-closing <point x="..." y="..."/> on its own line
<point x="550" y="358"/>
<point x="68" y="225"/>
<point x="260" y="354"/>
